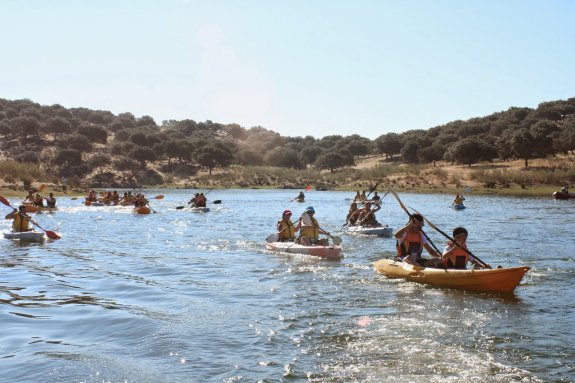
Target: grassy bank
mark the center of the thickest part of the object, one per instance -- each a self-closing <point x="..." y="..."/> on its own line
<point x="497" y="178"/>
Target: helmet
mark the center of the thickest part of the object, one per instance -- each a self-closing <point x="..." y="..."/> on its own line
<point x="310" y="208"/>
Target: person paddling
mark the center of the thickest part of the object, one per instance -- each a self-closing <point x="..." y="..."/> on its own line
<point x="454" y="255"/>
<point x="285" y="227"/>
<point x="20" y="221"/>
<point x="50" y="200"/>
<point x="367" y="215"/>
<point x="458" y="200"/>
<point x="352" y="214"/>
<point x="411" y="242"/>
<point x="310" y="229"/>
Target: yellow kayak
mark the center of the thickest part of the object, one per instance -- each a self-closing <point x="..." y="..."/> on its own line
<point x="498" y="280"/>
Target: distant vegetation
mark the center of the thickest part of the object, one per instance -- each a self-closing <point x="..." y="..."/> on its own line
<point x="97" y="147"/>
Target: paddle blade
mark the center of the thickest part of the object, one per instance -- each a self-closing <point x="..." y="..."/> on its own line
<point x="336" y="240"/>
<point x="161" y="196"/>
<point x="218" y="201"/>
<point x="42" y="187"/>
<point x="272" y="237"/>
<point x="52" y="235"/>
<point x="308" y="187"/>
<point x="5" y="201"/>
<point x="179" y="207"/>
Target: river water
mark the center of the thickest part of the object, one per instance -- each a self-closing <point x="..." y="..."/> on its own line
<point x="195" y="297"/>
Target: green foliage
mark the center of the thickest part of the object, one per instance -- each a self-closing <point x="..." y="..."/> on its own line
<point x="11" y="170"/>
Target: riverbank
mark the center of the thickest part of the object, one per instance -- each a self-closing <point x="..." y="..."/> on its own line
<point x="540" y="179"/>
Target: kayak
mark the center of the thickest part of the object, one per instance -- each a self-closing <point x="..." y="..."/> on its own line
<point x="562" y="195"/>
<point x="199" y="209"/>
<point x="28" y="236"/>
<point x="497" y="280"/>
<point x="32" y="209"/>
<point x="379" y="230"/>
<point x="328" y="252"/>
<point x="458" y="206"/>
<point x="92" y="203"/>
<point x="142" y="210"/>
<point x="300" y="199"/>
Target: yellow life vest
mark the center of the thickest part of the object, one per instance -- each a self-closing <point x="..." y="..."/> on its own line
<point x="20" y="223"/>
<point x="287" y="230"/>
<point x="310" y="231"/>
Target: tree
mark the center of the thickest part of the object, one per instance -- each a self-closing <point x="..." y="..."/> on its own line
<point x="310" y="153"/>
<point x="330" y="160"/>
<point x="143" y="155"/>
<point x="25" y="126"/>
<point x="249" y="157"/>
<point x="92" y="132"/>
<point x="283" y="157"/>
<point x="124" y="165"/>
<point x="431" y="154"/>
<point x="211" y="156"/>
<point x="99" y="160"/>
<point x="77" y="142"/>
<point x="57" y="126"/>
<point x="68" y="157"/>
<point x="389" y="144"/>
<point x="409" y="152"/>
<point x="522" y="144"/>
<point x="471" y="150"/>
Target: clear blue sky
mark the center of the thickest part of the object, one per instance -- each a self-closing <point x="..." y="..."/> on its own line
<point x="297" y="67"/>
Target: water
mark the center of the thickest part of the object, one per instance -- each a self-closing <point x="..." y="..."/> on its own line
<point x="190" y="297"/>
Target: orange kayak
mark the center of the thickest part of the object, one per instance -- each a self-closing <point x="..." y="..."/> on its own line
<point x="498" y="280"/>
<point x="142" y="210"/>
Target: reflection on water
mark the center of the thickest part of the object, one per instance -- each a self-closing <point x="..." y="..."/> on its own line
<point x="182" y="297"/>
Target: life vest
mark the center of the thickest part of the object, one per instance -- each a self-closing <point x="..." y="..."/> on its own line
<point x="458" y="201"/>
<point x="51" y="202"/>
<point x="201" y="201"/>
<point x="412" y="244"/>
<point x="458" y="257"/>
<point x="287" y="230"/>
<point x="310" y="231"/>
<point x="20" y="223"/>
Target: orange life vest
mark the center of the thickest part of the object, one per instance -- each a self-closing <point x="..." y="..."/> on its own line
<point x="412" y="244"/>
<point x="458" y="255"/>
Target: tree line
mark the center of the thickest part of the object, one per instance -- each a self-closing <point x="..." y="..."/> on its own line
<point x="80" y="142"/>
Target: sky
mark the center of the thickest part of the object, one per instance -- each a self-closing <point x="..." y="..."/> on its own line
<point x="297" y="67"/>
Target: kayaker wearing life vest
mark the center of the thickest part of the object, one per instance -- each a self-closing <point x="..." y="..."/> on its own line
<point x="21" y="222"/>
<point x="51" y="200"/>
<point x="454" y="256"/>
<point x="352" y="214"/>
<point x="310" y="230"/>
<point x="458" y="200"/>
<point x="200" y="201"/>
<point x="286" y="228"/>
<point x="411" y="242"/>
<point x="367" y="215"/>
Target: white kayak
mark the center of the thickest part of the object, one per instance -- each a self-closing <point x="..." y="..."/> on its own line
<point x="28" y="236"/>
<point x="328" y="252"/>
<point x="379" y="230"/>
<point x="199" y="209"/>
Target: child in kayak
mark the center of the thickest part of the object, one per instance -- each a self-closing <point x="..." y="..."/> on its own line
<point x="411" y="242"/>
<point x="455" y="256"/>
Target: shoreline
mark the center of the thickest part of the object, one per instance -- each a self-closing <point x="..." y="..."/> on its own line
<point x="539" y="191"/>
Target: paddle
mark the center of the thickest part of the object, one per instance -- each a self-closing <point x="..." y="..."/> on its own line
<point x="50" y="234"/>
<point x="483" y="264"/>
<point x="372" y="189"/>
<point x="307" y="188"/>
<point x="272" y="237"/>
<point x="409" y="214"/>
